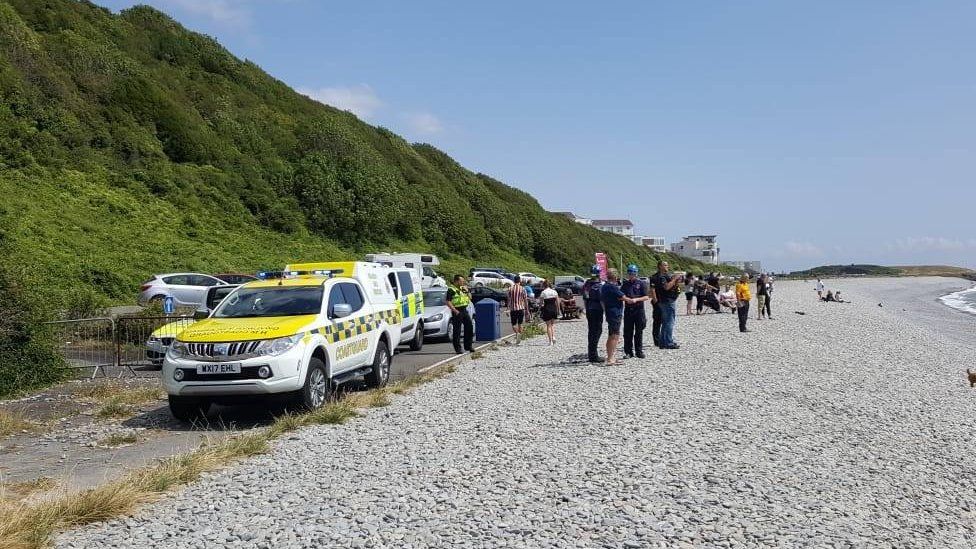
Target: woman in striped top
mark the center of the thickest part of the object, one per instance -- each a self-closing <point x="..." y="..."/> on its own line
<point x="518" y="307"/>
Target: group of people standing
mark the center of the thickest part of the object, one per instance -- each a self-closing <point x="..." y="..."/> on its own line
<point x="623" y="303"/>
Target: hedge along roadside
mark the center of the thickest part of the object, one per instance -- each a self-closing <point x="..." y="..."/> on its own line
<point x="28" y="356"/>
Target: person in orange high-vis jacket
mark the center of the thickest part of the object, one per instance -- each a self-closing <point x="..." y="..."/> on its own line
<point x="743" y="296"/>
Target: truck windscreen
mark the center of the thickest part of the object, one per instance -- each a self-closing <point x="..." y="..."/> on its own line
<point x="274" y="301"/>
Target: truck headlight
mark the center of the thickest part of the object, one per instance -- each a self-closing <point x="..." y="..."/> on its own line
<point x="279" y="346"/>
<point x="436" y="318"/>
<point x="177" y="349"/>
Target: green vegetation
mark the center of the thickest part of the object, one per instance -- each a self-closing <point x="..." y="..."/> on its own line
<point x="826" y="271"/>
<point x="130" y="146"/>
<point x="118" y="439"/>
<point x="937" y="270"/>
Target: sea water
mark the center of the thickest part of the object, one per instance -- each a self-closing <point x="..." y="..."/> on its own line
<point x="964" y="300"/>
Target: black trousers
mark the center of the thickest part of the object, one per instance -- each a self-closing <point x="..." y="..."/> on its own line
<point x="700" y="302"/>
<point x="657" y="321"/>
<point x="635" y="320"/>
<point x="594" y="324"/>
<point x="743" y="315"/>
<point x="462" y="318"/>
<point x="769" y="310"/>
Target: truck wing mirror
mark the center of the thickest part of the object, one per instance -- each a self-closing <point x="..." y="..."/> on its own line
<point x="341" y="310"/>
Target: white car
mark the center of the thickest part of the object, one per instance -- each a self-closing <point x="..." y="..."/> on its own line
<point x="437" y="315"/>
<point x="186" y="289"/>
<point x="530" y="279"/>
<point x="484" y="278"/>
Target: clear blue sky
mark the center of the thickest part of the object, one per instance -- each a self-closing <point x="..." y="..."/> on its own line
<point x="801" y="133"/>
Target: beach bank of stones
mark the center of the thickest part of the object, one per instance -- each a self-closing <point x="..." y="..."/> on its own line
<point x="841" y="427"/>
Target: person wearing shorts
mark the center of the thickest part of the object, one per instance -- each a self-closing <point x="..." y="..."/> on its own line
<point x="689" y="292"/>
<point x="550" y="310"/>
<point x="613" y="305"/>
<point x="518" y="304"/>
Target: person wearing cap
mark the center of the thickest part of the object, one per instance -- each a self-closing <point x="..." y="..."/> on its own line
<point x="594" y="313"/>
<point x="635" y="319"/>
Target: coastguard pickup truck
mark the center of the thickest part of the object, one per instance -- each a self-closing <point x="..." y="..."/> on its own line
<point x="301" y="332"/>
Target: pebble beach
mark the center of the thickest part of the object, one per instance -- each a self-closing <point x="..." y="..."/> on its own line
<point x="851" y="425"/>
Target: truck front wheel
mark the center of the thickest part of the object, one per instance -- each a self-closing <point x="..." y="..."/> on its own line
<point x="381" y="366"/>
<point x="417" y="343"/>
<point x="317" y="388"/>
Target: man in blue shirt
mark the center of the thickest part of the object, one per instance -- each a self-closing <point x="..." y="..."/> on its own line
<point x="665" y="293"/>
<point x="594" y="312"/>
<point x="635" y="320"/>
<point x="613" y="306"/>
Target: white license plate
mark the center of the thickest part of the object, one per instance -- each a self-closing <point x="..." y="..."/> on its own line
<point x="219" y="369"/>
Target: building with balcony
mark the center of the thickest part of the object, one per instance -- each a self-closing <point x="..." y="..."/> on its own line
<point x="623" y="227"/>
<point x="655" y="243"/>
<point x="701" y="247"/>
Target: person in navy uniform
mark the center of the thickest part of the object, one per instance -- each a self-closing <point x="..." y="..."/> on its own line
<point x="594" y="313"/>
<point x="635" y="319"/>
<point x="613" y="307"/>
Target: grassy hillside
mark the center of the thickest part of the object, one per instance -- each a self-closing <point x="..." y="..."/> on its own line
<point x="130" y="146"/>
<point x="826" y="271"/>
<point x="937" y="270"/>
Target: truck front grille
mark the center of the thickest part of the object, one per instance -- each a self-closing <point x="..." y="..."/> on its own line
<point x="225" y="351"/>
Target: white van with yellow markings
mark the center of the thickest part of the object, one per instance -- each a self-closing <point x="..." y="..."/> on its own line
<point x="406" y="285"/>
<point x="303" y="333"/>
<point x="410" y="298"/>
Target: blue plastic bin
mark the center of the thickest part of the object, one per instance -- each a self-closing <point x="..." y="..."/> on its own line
<point x="487" y="320"/>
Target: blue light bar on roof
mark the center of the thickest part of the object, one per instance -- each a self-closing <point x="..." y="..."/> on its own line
<point x="270" y="275"/>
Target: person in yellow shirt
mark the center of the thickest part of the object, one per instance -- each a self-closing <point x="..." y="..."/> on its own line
<point x="743" y="296"/>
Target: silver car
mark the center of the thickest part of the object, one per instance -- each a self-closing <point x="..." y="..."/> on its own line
<point x="437" y="315"/>
<point x="186" y="289"/>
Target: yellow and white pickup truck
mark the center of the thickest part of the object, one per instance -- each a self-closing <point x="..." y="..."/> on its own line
<point x="303" y="332"/>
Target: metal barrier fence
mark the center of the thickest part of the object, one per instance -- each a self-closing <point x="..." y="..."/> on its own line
<point x="86" y="343"/>
<point x="142" y="342"/>
<point x="126" y="343"/>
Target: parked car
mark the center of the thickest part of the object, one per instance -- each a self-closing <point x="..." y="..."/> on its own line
<point x="162" y="337"/>
<point x="487" y="278"/>
<point x="437" y="315"/>
<point x="236" y="278"/>
<point x="186" y="289"/>
<point x="505" y="273"/>
<point x="473" y="270"/>
<point x="574" y="286"/>
<point x="483" y="292"/>
<point x="529" y="278"/>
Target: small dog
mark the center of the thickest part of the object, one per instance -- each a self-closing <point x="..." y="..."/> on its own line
<point x="972" y="377"/>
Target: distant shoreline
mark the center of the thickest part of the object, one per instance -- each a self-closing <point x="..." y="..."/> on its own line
<point x="959" y="301"/>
